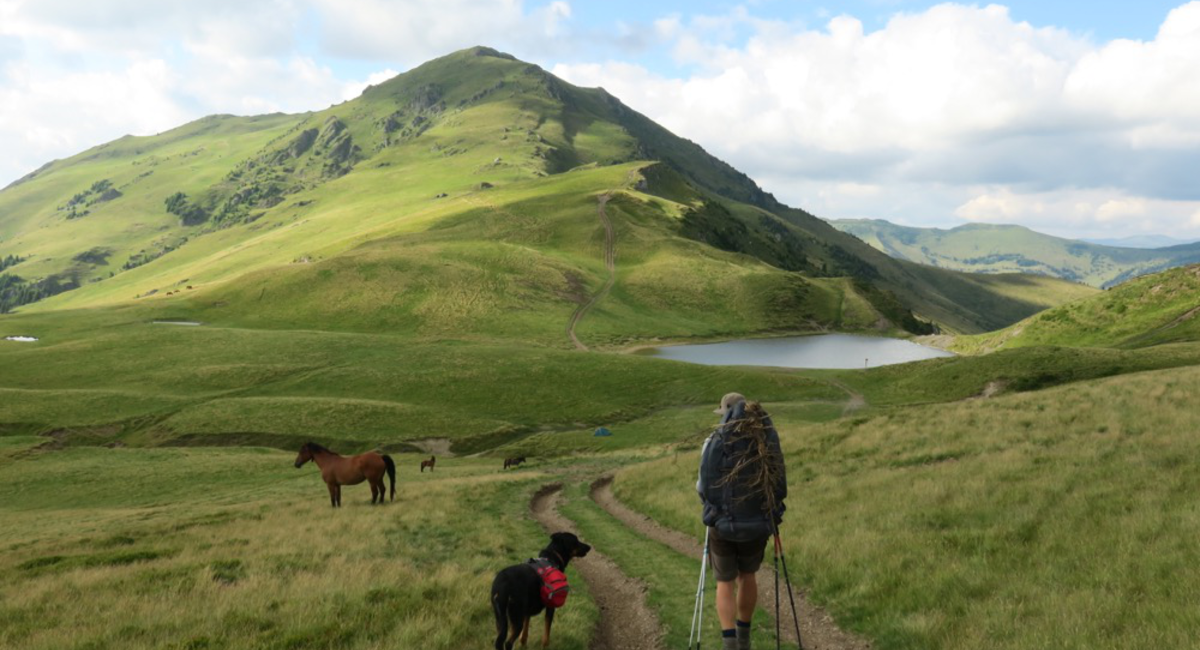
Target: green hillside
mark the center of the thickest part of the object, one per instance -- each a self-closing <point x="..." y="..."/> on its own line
<point x="1055" y="519"/>
<point x="462" y="160"/>
<point x="985" y="248"/>
<point x="1151" y="310"/>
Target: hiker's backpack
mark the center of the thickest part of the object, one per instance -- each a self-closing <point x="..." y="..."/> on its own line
<point x="554" y="583"/>
<point x="737" y="513"/>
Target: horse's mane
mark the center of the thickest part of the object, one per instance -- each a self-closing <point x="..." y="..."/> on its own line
<point x="313" y="447"/>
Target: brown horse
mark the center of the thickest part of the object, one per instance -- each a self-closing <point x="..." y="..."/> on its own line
<point x="428" y="463"/>
<point x="339" y="470"/>
<point x="513" y="462"/>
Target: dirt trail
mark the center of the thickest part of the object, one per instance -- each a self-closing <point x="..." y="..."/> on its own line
<point x="817" y="628"/>
<point x="610" y="261"/>
<point x="856" y="400"/>
<point x="626" y="623"/>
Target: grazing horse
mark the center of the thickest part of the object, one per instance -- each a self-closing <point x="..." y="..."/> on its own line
<point x="513" y="462"/>
<point x="339" y="470"/>
<point x="428" y="463"/>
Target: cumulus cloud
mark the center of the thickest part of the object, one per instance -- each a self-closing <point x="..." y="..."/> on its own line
<point x="943" y="100"/>
<point x="952" y="113"/>
<point x="415" y="30"/>
<point x="74" y="75"/>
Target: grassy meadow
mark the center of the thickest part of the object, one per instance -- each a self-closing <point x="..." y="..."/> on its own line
<point x="415" y="294"/>
<point x="1063" y="518"/>
<point x="234" y="548"/>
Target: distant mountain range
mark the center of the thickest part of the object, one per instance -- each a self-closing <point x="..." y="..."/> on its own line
<point x="1140" y="241"/>
<point x="984" y="248"/>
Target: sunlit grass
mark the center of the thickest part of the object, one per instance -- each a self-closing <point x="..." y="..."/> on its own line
<point x="236" y="549"/>
<point x="1063" y="518"/>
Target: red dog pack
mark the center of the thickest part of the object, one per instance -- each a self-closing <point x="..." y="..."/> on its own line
<point x="554" y="584"/>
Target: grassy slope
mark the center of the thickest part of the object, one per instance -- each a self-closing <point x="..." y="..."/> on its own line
<point x="446" y="127"/>
<point x="1052" y="519"/>
<point x="236" y="549"/>
<point x="1150" y="310"/>
<point x="146" y="170"/>
<point x="984" y="248"/>
<point x="159" y="383"/>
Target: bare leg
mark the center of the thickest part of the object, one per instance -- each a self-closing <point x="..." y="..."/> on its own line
<point x="726" y="603"/>
<point x="747" y="596"/>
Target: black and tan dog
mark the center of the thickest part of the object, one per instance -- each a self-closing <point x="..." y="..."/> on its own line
<point x="516" y="592"/>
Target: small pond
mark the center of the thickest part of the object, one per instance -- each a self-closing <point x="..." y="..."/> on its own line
<point x="819" y="351"/>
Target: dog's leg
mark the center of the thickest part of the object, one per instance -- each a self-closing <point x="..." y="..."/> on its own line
<point x="525" y="633"/>
<point x="549" y="622"/>
<point x="501" y="621"/>
<point x="513" y="633"/>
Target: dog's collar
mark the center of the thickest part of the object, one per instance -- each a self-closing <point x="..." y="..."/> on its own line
<point x="561" y="562"/>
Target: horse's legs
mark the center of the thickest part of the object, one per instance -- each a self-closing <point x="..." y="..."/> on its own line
<point x="333" y="500"/>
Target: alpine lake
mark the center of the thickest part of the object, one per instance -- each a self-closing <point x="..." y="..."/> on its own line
<point x="829" y="351"/>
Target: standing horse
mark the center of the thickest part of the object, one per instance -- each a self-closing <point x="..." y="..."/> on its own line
<point x="339" y="470"/>
<point x="428" y="463"/>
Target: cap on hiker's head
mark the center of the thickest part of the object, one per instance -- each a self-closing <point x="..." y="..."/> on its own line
<point x="728" y="401"/>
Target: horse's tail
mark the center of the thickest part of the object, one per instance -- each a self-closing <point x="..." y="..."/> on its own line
<point x="391" y="470"/>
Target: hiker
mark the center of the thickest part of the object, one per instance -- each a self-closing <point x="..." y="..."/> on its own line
<point x="742" y="486"/>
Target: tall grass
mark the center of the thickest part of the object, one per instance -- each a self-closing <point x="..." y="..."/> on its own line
<point x="1063" y="518"/>
<point x="236" y="549"/>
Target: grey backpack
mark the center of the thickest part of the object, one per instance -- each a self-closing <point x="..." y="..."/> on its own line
<point x="733" y="504"/>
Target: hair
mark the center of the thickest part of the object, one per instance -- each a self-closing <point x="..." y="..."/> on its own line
<point x="314" y="448"/>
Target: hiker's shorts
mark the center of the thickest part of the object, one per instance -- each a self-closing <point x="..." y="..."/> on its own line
<point x="731" y="558"/>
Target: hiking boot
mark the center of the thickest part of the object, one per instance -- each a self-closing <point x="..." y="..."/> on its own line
<point x="743" y="638"/>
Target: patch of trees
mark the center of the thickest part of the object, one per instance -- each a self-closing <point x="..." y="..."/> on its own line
<point x="16" y="291"/>
<point x="99" y="192"/>
<point x="97" y="256"/>
<point x="189" y="213"/>
<point x="11" y="260"/>
<point x="146" y="256"/>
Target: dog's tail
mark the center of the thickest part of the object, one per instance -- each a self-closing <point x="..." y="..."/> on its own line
<point x="391" y="470"/>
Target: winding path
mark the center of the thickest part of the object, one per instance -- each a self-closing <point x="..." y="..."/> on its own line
<point x="626" y="623"/>
<point x="818" y="628"/>
<point x="610" y="261"/>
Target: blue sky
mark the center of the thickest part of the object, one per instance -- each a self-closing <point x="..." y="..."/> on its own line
<point x="1078" y="119"/>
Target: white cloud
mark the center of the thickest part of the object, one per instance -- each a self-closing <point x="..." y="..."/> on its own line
<point x="955" y="112"/>
<point x="1077" y="213"/>
<point x="952" y="96"/>
<point x="413" y="31"/>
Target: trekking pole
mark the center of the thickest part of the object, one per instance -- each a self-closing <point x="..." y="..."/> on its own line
<point x="698" y="606"/>
<point x="777" y="635"/>
<point x="788" y="582"/>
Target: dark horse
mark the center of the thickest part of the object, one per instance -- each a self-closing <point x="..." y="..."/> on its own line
<point x="513" y="462"/>
<point x="428" y="463"/>
<point x="340" y="470"/>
